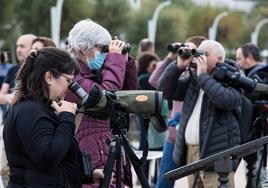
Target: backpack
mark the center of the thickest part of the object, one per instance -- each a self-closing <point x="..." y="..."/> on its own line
<point x="244" y="113"/>
<point x="245" y="118"/>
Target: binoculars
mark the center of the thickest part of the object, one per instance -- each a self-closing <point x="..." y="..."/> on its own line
<point x="187" y="53"/>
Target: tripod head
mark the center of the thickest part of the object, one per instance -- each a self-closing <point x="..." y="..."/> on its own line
<point x="119" y="145"/>
<point x="261" y="120"/>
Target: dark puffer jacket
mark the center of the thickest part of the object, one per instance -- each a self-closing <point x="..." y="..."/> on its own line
<point x="218" y="106"/>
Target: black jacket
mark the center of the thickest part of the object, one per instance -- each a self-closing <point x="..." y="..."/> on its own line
<point x="260" y="74"/>
<point x="218" y="106"/>
<point x="40" y="146"/>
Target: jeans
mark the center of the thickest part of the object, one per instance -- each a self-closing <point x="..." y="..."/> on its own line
<point x="166" y="165"/>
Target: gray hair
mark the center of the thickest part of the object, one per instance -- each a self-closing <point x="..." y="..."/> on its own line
<point x="216" y="48"/>
<point x="86" y="34"/>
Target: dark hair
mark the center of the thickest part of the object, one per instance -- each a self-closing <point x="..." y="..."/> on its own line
<point x="197" y="40"/>
<point x="144" y="61"/>
<point x="251" y="49"/>
<point x="31" y="75"/>
<point x="145" y="45"/>
<point x="47" y="42"/>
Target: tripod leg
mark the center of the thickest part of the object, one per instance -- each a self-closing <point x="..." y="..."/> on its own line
<point x="260" y="167"/>
<point x="108" y="169"/>
<point x="141" y="176"/>
<point x="251" y="169"/>
<point x="118" y="165"/>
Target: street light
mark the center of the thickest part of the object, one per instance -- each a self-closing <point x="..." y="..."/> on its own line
<point x="255" y="33"/>
<point x="55" y="17"/>
<point x="212" y="31"/>
<point x="152" y="23"/>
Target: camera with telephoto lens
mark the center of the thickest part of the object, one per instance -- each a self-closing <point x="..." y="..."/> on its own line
<point x="144" y="102"/>
<point x="228" y="72"/>
<point x="126" y="49"/>
<point x="86" y="168"/>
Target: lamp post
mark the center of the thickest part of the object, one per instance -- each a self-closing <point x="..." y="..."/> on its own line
<point x="55" y="17"/>
<point x="212" y="31"/>
<point x="255" y="33"/>
<point x="152" y="23"/>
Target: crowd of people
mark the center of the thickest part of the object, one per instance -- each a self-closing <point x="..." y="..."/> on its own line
<point x="45" y="130"/>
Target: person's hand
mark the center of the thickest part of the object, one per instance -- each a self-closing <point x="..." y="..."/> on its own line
<point x="173" y="55"/>
<point x="202" y="66"/>
<point x="172" y="132"/>
<point x="182" y="62"/>
<point x="98" y="175"/>
<point x="9" y="97"/>
<point x="64" y="106"/>
<point x="116" y="46"/>
<point x="6" y="98"/>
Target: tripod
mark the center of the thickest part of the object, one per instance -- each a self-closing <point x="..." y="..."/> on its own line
<point x="119" y="146"/>
<point x="260" y="129"/>
<point x="258" y="160"/>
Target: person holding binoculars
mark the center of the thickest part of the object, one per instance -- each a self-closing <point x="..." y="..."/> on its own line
<point x="167" y="163"/>
<point x="104" y="68"/>
<point x="208" y="124"/>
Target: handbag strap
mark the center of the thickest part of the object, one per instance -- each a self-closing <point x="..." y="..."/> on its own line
<point x="77" y="121"/>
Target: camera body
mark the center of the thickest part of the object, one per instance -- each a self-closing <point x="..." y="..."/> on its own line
<point x="126" y="49"/>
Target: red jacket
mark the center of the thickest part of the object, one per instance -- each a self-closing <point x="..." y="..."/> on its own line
<point x="93" y="133"/>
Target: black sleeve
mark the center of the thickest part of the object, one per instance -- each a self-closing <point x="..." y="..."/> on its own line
<point x="11" y="75"/>
<point x="168" y="83"/>
<point x="263" y="75"/>
<point x="131" y="76"/>
<point x="144" y="84"/>
<point x="226" y="98"/>
<point x="46" y="141"/>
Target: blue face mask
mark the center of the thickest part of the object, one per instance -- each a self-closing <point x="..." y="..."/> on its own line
<point x="97" y="61"/>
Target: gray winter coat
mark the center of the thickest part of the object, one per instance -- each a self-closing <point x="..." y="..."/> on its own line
<point x="218" y="106"/>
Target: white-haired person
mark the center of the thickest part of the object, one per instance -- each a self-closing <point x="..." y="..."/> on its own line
<point x="208" y="123"/>
<point x="87" y="41"/>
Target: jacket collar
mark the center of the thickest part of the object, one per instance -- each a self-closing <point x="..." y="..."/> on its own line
<point x="84" y="68"/>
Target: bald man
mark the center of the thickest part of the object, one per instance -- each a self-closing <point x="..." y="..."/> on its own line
<point x="207" y="112"/>
<point x="23" y="47"/>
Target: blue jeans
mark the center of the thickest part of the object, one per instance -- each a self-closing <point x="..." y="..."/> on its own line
<point x="166" y="165"/>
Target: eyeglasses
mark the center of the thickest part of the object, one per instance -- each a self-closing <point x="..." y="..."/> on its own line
<point x="69" y="80"/>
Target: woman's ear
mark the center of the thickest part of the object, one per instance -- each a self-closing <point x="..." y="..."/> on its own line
<point x="49" y="78"/>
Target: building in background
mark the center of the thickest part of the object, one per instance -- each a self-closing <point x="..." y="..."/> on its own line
<point x="232" y="5"/>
